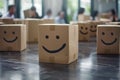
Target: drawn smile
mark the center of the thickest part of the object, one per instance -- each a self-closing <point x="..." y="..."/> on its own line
<point x="109" y="43"/>
<point x="92" y="30"/>
<point x="10" y="41"/>
<point x="83" y="33"/>
<point x="54" y="51"/>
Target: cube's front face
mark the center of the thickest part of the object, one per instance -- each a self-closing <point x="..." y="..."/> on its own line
<point x="83" y="32"/>
<point x="53" y="43"/>
<point x="108" y="40"/>
<point x="10" y="37"/>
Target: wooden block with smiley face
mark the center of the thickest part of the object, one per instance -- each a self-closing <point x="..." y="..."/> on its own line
<point x="93" y="27"/>
<point x="13" y="37"/>
<point x="32" y="27"/>
<point x="84" y="32"/>
<point x="108" y="39"/>
<point x="58" y="43"/>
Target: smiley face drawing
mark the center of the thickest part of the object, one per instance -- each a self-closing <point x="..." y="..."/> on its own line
<point x="84" y="30"/>
<point x="58" y="43"/>
<point x="107" y="42"/>
<point x="56" y="50"/>
<point x="54" y="41"/>
<point x="93" y="28"/>
<point x="108" y="39"/>
<point x="13" y="39"/>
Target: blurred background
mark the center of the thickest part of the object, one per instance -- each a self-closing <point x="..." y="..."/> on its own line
<point x="71" y="8"/>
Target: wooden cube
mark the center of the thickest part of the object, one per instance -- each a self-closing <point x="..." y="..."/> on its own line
<point x="93" y="27"/>
<point x="32" y="27"/>
<point x="58" y="43"/>
<point x="84" y="31"/>
<point x="108" y="39"/>
<point x="12" y="37"/>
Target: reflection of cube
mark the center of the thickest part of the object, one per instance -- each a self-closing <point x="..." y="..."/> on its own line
<point x="93" y="27"/>
<point x="58" y="43"/>
<point x="108" y="39"/>
<point x="7" y="20"/>
<point x="12" y="37"/>
<point x="84" y="32"/>
<point x="32" y="27"/>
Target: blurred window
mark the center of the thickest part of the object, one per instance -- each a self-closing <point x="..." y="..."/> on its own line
<point x="27" y="4"/>
<point x="38" y="5"/>
<point x="87" y="5"/>
<point x="72" y="10"/>
<point x="3" y="6"/>
<point x="10" y="2"/>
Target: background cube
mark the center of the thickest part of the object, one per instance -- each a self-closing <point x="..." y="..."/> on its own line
<point x="82" y="17"/>
<point x="19" y="21"/>
<point x="12" y="37"/>
<point x="93" y="27"/>
<point x="58" y="43"/>
<point x="48" y="21"/>
<point x="113" y="23"/>
<point x="7" y="20"/>
<point x="84" y="31"/>
<point x="108" y="39"/>
<point x="32" y="27"/>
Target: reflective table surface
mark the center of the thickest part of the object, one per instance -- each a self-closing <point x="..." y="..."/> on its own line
<point x="89" y="66"/>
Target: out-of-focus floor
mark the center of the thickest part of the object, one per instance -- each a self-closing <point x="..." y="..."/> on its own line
<point x="90" y="66"/>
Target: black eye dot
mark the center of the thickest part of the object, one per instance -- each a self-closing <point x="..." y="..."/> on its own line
<point x="46" y="36"/>
<point x="112" y="33"/>
<point x="5" y="32"/>
<point x="57" y="37"/>
<point x="13" y="32"/>
<point x="81" y="27"/>
<point x="103" y="33"/>
<point x="86" y="28"/>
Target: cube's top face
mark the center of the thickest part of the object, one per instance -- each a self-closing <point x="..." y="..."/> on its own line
<point x="12" y="25"/>
<point x="74" y="22"/>
<point x="9" y="34"/>
<point x="34" y="22"/>
<point x="108" y="35"/>
<point x="53" y="38"/>
<point x="31" y="19"/>
<point x="83" y="29"/>
<point x="114" y="23"/>
<point x="19" y="19"/>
